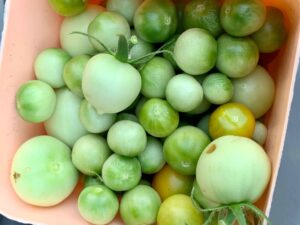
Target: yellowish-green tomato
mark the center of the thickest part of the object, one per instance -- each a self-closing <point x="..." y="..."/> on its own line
<point x="42" y="173"/>
<point x="260" y="133"/>
<point x="35" y="101"/>
<point x="68" y="7"/>
<point x="49" y="66"/>
<point x="77" y="44"/>
<point x="178" y="210"/>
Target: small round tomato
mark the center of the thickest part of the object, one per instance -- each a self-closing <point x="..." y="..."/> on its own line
<point x="179" y="210"/>
<point x="168" y="182"/>
<point x="68" y="7"/>
<point x="231" y="119"/>
<point x="155" y="21"/>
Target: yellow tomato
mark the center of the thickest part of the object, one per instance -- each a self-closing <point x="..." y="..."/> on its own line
<point x="231" y="119"/>
<point x="168" y="182"/>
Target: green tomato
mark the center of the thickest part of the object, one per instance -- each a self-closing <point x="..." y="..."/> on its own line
<point x="127" y="116"/>
<point x="152" y="158"/>
<point x="199" y="197"/>
<point x="90" y="181"/>
<point x="179" y="210"/>
<point x="184" y="93"/>
<point x="202" y="107"/>
<point x="42" y="173"/>
<point x="77" y="44"/>
<point x="68" y="7"/>
<point x="203" y="14"/>
<point x="271" y="36"/>
<point x="35" y="101"/>
<point x="107" y="27"/>
<point x="257" y="85"/>
<point x="110" y="85"/>
<point x="121" y="173"/>
<point x="49" y="66"/>
<point x="139" y="106"/>
<point x="125" y="8"/>
<point x="155" y="21"/>
<point x="140" y="206"/>
<point x="127" y="138"/>
<point x="73" y="72"/>
<point x="97" y="204"/>
<point x="156" y="74"/>
<point x="195" y="51"/>
<point x="242" y="17"/>
<point x="89" y="153"/>
<point x="237" y="57"/>
<point x="94" y="122"/>
<point x="217" y="88"/>
<point x="183" y="148"/>
<point x="260" y="133"/>
<point x="64" y="123"/>
<point x="139" y="47"/>
<point x="233" y="169"/>
<point x="203" y="123"/>
<point x="158" y="118"/>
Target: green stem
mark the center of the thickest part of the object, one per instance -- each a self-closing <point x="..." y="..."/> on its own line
<point x="238" y="214"/>
<point x="257" y="211"/>
<point x="147" y="57"/>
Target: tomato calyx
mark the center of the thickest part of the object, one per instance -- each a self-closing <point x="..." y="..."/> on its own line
<point x="244" y="213"/>
<point x="122" y="53"/>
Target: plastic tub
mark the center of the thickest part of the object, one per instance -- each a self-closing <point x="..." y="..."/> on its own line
<point x="31" y="26"/>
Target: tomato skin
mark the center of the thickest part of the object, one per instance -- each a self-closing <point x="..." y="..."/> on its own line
<point x="168" y="182"/>
<point x="231" y="119"/>
<point x="68" y="7"/>
<point x="158" y="28"/>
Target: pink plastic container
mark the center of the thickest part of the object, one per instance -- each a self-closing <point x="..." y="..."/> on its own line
<point x="31" y="26"/>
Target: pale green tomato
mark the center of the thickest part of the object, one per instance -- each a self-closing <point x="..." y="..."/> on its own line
<point x="256" y="91"/>
<point x="179" y="210"/>
<point x="158" y="117"/>
<point x="127" y="116"/>
<point x="202" y="107"/>
<point x="42" y="172"/>
<point x="156" y="74"/>
<point x="140" y="47"/>
<point x="110" y="85"/>
<point x="127" y="138"/>
<point x="125" y="8"/>
<point x="152" y="158"/>
<point x="35" y="101"/>
<point x="97" y="204"/>
<point x="49" y="66"/>
<point x="203" y="123"/>
<point x="107" y="27"/>
<point x="198" y="196"/>
<point x="237" y="57"/>
<point x="121" y="173"/>
<point x="183" y="147"/>
<point x="260" y="133"/>
<point x="89" y="153"/>
<point x="195" y="51"/>
<point x="64" y="123"/>
<point x="77" y="44"/>
<point x="68" y="7"/>
<point x="73" y="72"/>
<point x="184" y="93"/>
<point x="94" y="122"/>
<point x="217" y="88"/>
<point x="233" y="169"/>
<point x="140" y="206"/>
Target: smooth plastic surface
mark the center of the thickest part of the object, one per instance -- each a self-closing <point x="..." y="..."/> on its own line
<point x="31" y="26"/>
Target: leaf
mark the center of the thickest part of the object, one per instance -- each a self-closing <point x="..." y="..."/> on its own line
<point x="210" y="218"/>
<point x="123" y="49"/>
<point x="238" y="214"/>
<point x="229" y="219"/>
<point x="257" y="212"/>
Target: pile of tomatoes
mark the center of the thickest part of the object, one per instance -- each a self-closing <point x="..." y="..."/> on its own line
<point x="158" y="104"/>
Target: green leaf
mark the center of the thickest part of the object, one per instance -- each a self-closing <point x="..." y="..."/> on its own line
<point x="238" y="214"/>
<point x="147" y="57"/>
<point x="210" y="218"/>
<point x="257" y="212"/>
<point x="228" y="219"/>
<point x="123" y="49"/>
<point x="95" y="39"/>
